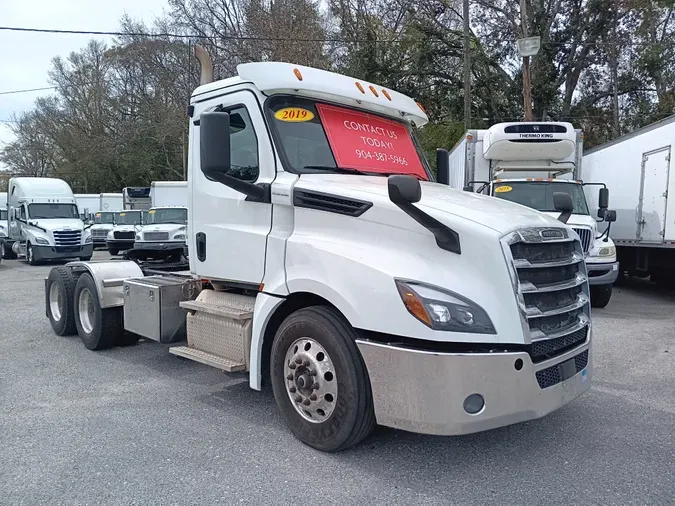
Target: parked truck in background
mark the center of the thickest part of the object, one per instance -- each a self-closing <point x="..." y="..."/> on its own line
<point x="638" y="168"/>
<point x="3" y="215"/>
<point x="527" y="163"/>
<point x="112" y="202"/>
<point x="135" y="198"/>
<point x="44" y="222"/>
<point x="88" y="204"/>
<point x="123" y="233"/>
<point x="103" y="224"/>
<point x="326" y="260"/>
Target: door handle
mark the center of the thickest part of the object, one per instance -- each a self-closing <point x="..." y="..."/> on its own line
<point x="201" y="246"/>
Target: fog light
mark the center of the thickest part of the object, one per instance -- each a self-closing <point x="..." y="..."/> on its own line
<point x="474" y="403"/>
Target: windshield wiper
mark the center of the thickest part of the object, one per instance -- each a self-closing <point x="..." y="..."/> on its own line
<point x="339" y="170"/>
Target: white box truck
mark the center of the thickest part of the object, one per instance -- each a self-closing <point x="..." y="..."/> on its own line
<point x="528" y="163"/>
<point x="326" y="260"/>
<point x="136" y="197"/>
<point x="3" y="215"/>
<point x="638" y="169"/>
<point x="88" y="204"/>
<point x="112" y="202"/>
<point x="168" y="193"/>
<point x="44" y="222"/>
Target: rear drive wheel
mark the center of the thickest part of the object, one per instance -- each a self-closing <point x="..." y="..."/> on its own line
<point x="60" y="290"/>
<point x="98" y="328"/>
<point x="600" y="295"/>
<point x="320" y="381"/>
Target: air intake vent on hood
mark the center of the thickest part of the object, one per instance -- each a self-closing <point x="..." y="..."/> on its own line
<point x="330" y="203"/>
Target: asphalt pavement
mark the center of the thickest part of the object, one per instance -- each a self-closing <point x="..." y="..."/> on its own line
<point x="139" y="426"/>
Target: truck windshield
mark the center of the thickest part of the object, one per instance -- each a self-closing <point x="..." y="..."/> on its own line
<point x="130" y="218"/>
<point x="539" y="195"/>
<point x="3" y="214"/>
<point x="316" y="137"/>
<point x="158" y="216"/>
<point x="107" y="218"/>
<point x="48" y="211"/>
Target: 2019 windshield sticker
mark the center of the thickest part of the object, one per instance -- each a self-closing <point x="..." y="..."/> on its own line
<point x="294" y="115"/>
<point x="503" y="189"/>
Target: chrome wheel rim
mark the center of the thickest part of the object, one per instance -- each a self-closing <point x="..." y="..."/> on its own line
<point x="30" y="253"/>
<point x="86" y="310"/>
<point x="310" y="380"/>
<point x="55" y="302"/>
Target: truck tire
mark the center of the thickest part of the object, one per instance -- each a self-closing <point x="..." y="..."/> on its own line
<point x="85" y="259"/>
<point x="60" y="290"/>
<point x="113" y="251"/>
<point x="30" y="256"/>
<point x="98" y="328"/>
<point x="320" y="381"/>
<point x="600" y="295"/>
<point x="6" y="251"/>
<point x="127" y="339"/>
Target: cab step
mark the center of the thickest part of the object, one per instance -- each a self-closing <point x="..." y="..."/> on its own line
<point x="206" y="358"/>
<point x="219" y="330"/>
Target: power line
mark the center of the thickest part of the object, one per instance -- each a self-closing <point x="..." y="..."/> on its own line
<point x="28" y="90"/>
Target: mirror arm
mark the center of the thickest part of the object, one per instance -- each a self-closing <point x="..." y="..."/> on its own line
<point x="254" y="192"/>
<point x="446" y="238"/>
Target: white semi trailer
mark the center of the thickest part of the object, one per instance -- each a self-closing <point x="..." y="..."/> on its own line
<point x="639" y="170"/>
<point x="325" y="260"/>
<point x="528" y="163"/>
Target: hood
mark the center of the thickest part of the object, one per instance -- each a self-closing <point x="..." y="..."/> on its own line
<point x="102" y="226"/>
<point x="437" y="199"/>
<point x="163" y="227"/>
<point x="578" y="220"/>
<point x="58" y="224"/>
<point x="126" y="228"/>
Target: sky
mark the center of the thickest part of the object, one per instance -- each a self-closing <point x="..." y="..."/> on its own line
<point x="25" y="58"/>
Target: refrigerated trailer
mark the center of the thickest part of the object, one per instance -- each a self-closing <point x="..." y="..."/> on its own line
<point x="326" y="260"/>
<point x="638" y="169"/>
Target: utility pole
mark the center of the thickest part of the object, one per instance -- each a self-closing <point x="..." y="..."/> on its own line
<point x="527" y="83"/>
<point x="467" y="67"/>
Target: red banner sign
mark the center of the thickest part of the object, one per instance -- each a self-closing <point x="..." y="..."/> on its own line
<point x="370" y="143"/>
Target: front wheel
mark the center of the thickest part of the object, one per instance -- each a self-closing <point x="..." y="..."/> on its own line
<point x="85" y="259"/>
<point x="601" y="295"/>
<point x="113" y="251"/>
<point x="30" y="254"/>
<point x="320" y="381"/>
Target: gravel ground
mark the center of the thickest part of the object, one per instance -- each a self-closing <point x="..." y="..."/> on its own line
<point x="140" y="426"/>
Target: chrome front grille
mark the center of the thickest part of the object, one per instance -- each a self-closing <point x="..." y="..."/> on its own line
<point x="99" y="232"/>
<point x="67" y="237"/>
<point x="585" y="234"/>
<point x="156" y="236"/>
<point x="552" y="289"/>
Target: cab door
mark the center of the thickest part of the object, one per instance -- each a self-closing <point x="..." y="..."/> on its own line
<point x="228" y="232"/>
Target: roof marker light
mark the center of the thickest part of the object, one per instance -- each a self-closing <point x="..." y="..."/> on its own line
<point x="373" y="90"/>
<point x="386" y="94"/>
<point x="421" y="107"/>
<point x="297" y="74"/>
<point x="358" y="85"/>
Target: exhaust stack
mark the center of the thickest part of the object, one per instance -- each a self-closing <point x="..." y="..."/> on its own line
<point x="206" y="74"/>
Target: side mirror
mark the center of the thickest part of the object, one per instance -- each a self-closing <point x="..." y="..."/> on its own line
<point x="404" y="189"/>
<point x="214" y="142"/>
<point x="563" y="203"/>
<point x="610" y="216"/>
<point x="468" y="188"/>
<point x="603" y="199"/>
<point x="443" y="166"/>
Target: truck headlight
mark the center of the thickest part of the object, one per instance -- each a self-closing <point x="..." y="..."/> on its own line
<point x="88" y="239"/>
<point x="179" y="237"/>
<point x="2" y="233"/>
<point x="41" y="240"/>
<point x="608" y="251"/>
<point x="110" y="236"/>
<point x="442" y="309"/>
<point x="138" y="237"/>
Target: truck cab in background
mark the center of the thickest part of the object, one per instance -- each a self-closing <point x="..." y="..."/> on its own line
<point x="44" y="222"/>
<point x="104" y="222"/>
<point x="123" y="233"/>
<point x="162" y="236"/>
<point x="527" y="163"/>
<point x="3" y="215"/>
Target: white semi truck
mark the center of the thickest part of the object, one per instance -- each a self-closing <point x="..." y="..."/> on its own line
<point x="637" y="168"/>
<point x="527" y="163"/>
<point x="122" y="235"/>
<point x="3" y="215"/>
<point x="44" y="222"/>
<point x="104" y="222"/>
<point x="325" y="260"/>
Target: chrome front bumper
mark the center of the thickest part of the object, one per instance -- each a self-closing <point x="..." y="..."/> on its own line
<point x="602" y="274"/>
<point x="424" y="392"/>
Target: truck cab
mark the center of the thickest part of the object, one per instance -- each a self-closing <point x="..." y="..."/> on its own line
<point x="526" y="163"/>
<point x="44" y="222"/>
<point x="163" y="234"/>
<point x="123" y="233"/>
<point x="104" y="221"/>
<point x="326" y="261"/>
